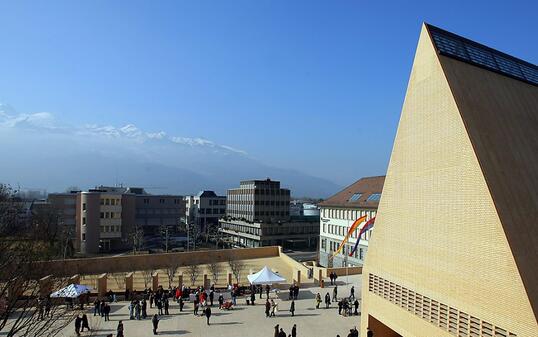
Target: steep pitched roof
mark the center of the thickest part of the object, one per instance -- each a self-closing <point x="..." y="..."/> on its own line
<point x="364" y="186"/>
<point x="500" y="114"/>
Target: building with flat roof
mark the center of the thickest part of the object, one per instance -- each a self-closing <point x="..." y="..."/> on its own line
<point x="455" y="250"/>
<point x="258" y="214"/>
<point x="339" y="212"/>
<point x="204" y="210"/>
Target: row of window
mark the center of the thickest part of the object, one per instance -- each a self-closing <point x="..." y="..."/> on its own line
<point x="110" y="215"/>
<point x="342" y="231"/>
<point x="110" y="202"/>
<point x="260" y="213"/>
<point x="110" y="229"/>
<point x="259" y="202"/>
<point x="259" y="191"/>
<point x="211" y="210"/>
<point x="215" y="202"/>
<point x="345" y="214"/>
<point x="163" y="201"/>
<point x="158" y="211"/>
<point x="333" y="246"/>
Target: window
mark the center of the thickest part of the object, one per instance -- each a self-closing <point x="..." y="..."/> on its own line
<point x="84" y="206"/>
<point x="83" y="236"/>
<point x="102" y="215"/>
<point x="84" y="221"/>
<point x="324" y="228"/>
<point x="107" y="201"/>
<point x="361" y="254"/>
<point x="161" y="201"/>
<point x="355" y="197"/>
<point x="374" y="197"/>
<point x="146" y="201"/>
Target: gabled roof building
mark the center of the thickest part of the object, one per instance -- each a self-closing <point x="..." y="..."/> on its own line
<point x="455" y="250"/>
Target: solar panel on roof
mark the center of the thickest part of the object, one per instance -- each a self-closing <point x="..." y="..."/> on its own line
<point x="452" y="45"/>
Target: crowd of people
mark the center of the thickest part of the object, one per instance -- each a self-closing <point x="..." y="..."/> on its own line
<point x="203" y="300"/>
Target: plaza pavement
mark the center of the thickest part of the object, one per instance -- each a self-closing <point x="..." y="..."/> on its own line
<point x="243" y="321"/>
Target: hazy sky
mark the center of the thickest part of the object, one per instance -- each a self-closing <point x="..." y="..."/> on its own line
<point x="306" y="85"/>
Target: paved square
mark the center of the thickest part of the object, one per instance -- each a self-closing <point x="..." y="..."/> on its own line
<point x="243" y="321"/>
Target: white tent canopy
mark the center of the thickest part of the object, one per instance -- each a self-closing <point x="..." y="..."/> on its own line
<point x="71" y="291"/>
<point x="265" y="276"/>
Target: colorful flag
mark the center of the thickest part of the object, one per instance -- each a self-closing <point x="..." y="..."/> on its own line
<point x="354" y="226"/>
<point x="367" y="226"/>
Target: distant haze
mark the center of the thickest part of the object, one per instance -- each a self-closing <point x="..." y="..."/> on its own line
<point x="39" y="152"/>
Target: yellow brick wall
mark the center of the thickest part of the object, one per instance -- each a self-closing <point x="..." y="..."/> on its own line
<point x="437" y="230"/>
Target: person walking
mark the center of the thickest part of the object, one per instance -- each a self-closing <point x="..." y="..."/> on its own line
<point x="282" y="333"/>
<point x="211" y="296"/>
<point x="155" y="322"/>
<point x="292" y="308"/>
<point x="274" y="308"/>
<point x="267" y="290"/>
<point x="356" y="304"/>
<point x="166" y="305"/>
<point x="78" y="323"/>
<point x="327" y="300"/>
<point x="181" y="304"/>
<point x="252" y="297"/>
<point x="352" y="292"/>
<point x="96" y="307"/>
<point x="102" y="308"/>
<point x="84" y="323"/>
<point x="107" y="312"/>
<point x="276" y="331"/>
<point x="151" y="298"/>
<point x="144" y="309"/>
<point x="318" y="300"/>
<point x="294" y="331"/>
<point x="138" y="310"/>
<point x="208" y="314"/>
<point x="221" y="301"/>
<point x="335" y="293"/>
<point x="234" y="297"/>
<point x="119" y="329"/>
<point x="267" y="308"/>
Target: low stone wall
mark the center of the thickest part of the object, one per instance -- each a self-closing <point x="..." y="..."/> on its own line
<point x="343" y="271"/>
<point x="129" y="263"/>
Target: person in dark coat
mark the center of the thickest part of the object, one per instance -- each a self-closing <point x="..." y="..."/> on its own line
<point x="159" y="304"/>
<point x="252" y="297"/>
<point x="144" y="309"/>
<point x="78" y="323"/>
<point x="102" y="308"/>
<point x="281" y="333"/>
<point x="294" y="331"/>
<point x="352" y="292"/>
<point x="96" y="307"/>
<point x="211" y="296"/>
<point x="292" y="308"/>
<point x="207" y="314"/>
<point x="295" y="292"/>
<point x="221" y="301"/>
<point x="267" y="290"/>
<point x="276" y="331"/>
<point x="260" y="289"/>
<point x="119" y="329"/>
<point x="267" y="308"/>
<point x="84" y="323"/>
<point x="181" y="304"/>
<point x="340" y="306"/>
<point x="107" y="312"/>
<point x="369" y="333"/>
<point x="155" y="322"/>
<point x="327" y="300"/>
<point x="335" y="293"/>
<point x="166" y="304"/>
<point x="356" y="304"/>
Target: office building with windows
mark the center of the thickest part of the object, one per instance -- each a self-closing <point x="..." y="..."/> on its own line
<point x="258" y="214"/>
<point x="204" y="210"/>
<point x="338" y="213"/>
<point x="455" y="249"/>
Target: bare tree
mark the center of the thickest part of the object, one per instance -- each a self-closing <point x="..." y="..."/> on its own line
<point x="147" y="275"/>
<point x="119" y="278"/>
<point x="136" y="238"/>
<point x="215" y="269"/>
<point x="171" y="271"/>
<point x="236" y="266"/>
<point x="25" y="241"/>
<point x="193" y="271"/>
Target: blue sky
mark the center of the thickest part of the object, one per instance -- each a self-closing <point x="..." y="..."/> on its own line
<point x="314" y="86"/>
